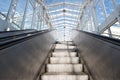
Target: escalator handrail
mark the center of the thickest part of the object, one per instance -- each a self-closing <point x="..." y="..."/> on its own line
<point x="9" y="43"/>
<point x="104" y="38"/>
<point x="14" y="33"/>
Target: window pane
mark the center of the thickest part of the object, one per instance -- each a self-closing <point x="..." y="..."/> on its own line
<point x="109" y="6"/>
<point x="100" y="13"/>
<point x="19" y="12"/>
<point x="117" y="1"/>
<point x="115" y="29"/>
<point x="4" y="7"/>
<point x="29" y="15"/>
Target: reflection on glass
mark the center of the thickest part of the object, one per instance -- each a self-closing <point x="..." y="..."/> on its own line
<point x="63" y="34"/>
<point x="115" y="29"/>
<point x="29" y="15"/>
<point x="105" y="33"/>
<point x="4" y="7"/>
<point x="19" y="12"/>
<point x="87" y="21"/>
<point x="100" y="14"/>
<point x="36" y="18"/>
<point x="117" y="1"/>
<point x="109" y="6"/>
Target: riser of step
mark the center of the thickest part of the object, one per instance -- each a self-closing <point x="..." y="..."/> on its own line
<point x="70" y="43"/>
<point x="64" y="54"/>
<point x="64" y="77"/>
<point x="64" y="67"/>
<point x="61" y="46"/>
<point x="66" y="60"/>
<point x="71" y="47"/>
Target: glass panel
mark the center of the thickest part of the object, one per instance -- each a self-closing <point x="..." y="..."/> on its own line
<point x="4" y="7"/>
<point x="115" y="29"/>
<point x="117" y="1"/>
<point x="109" y="6"/>
<point x="105" y="33"/>
<point x="48" y="2"/>
<point x="100" y="13"/>
<point x="19" y="12"/>
<point x="56" y="7"/>
<point x="29" y="15"/>
<point x="37" y="18"/>
<point x="15" y="26"/>
<point x="75" y="1"/>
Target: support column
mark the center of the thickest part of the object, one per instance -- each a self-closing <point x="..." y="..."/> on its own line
<point x="118" y="11"/>
<point x="94" y="18"/>
<point x="34" y="15"/>
<point x="105" y="15"/>
<point x="24" y="16"/>
<point x="38" y="21"/>
<point x="10" y="15"/>
<point x="43" y="17"/>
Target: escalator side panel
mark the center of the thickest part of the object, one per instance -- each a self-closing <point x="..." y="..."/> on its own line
<point x="23" y="60"/>
<point x="101" y="57"/>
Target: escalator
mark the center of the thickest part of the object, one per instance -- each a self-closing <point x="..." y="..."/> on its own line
<point x="9" y="38"/>
<point x="36" y="55"/>
<point x="22" y="53"/>
<point x="64" y="64"/>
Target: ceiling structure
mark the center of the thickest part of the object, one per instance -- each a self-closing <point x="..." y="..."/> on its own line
<point x="95" y="16"/>
<point x="64" y="13"/>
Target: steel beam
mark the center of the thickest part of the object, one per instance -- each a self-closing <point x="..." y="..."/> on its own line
<point x="24" y="16"/>
<point x="105" y="15"/>
<point x="34" y="14"/>
<point x="46" y="13"/>
<point x="64" y="14"/>
<point x="110" y="20"/>
<point x="65" y="3"/>
<point x="10" y="14"/>
<point x="62" y="18"/>
<point x="83" y="8"/>
<point x="63" y="9"/>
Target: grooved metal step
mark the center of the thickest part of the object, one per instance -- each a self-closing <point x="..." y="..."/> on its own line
<point x="71" y="47"/>
<point x="64" y="76"/>
<point x="64" y="67"/>
<point x="61" y="46"/>
<point x="64" y="64"/>
<point x="64" y="60"/>
<point x="64" y="54"/>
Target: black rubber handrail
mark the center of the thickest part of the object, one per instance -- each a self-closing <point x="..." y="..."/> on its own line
<point x="12" y="42"/>
<point x="107" y="39"/>
<point x="4" y="34"/>
<point x="13" y="35"/>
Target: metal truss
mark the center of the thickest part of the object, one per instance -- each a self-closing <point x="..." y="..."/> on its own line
<point x="69" y="14"/>
<point x="65" y="3"/>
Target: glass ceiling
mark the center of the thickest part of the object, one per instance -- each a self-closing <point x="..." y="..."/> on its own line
<point x="64" y="13"/>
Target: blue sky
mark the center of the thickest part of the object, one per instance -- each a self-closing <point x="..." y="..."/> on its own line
<point x="4" y="5"/>
<point x="48" y="2"/>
